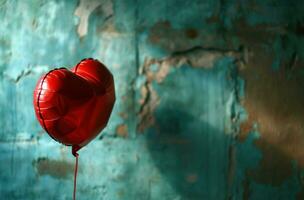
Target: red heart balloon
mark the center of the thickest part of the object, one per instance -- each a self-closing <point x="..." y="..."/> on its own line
<point x="74" y="106"/>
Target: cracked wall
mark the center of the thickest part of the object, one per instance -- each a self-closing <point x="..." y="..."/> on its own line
<point x="209" y="99"/>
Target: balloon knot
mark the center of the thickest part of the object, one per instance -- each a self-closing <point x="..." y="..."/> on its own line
<point x="75" y="148"/>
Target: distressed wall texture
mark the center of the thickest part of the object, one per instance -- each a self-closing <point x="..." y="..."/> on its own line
<point x="209" y="99"/>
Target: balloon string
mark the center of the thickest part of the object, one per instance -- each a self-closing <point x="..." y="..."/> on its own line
<point x="75" y="177"/>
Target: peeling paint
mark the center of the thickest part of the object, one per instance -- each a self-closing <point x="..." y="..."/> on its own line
<point x="149" y="102"/>
<point x="196" y="57"/>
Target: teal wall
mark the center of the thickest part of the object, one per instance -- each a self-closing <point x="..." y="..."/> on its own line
<point x="209" y="99"/>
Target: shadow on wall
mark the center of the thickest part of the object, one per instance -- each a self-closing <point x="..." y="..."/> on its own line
<point x="195" y="159"/>
<point x="180" y="147"/>
<point x="191" y="153"/>
<point x="190" y="147"/>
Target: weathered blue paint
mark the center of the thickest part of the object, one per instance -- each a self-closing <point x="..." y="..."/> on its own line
<point x="184" y="72"/>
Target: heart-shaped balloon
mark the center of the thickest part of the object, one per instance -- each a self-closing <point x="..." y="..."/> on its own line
<point x="74" y="106"/>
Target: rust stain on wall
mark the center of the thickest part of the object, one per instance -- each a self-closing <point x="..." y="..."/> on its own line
<point x="173" y="39"/>
<point x="192" y="178"/>
<point x="122" y="130"/>
<point x="123" y="115"/>
<point x="59" y="169"/>
<point x="274" y="100"/>
<point x="157" y="30"/>
<point x="253" y="37"/>
<point x="191" y="33"/>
